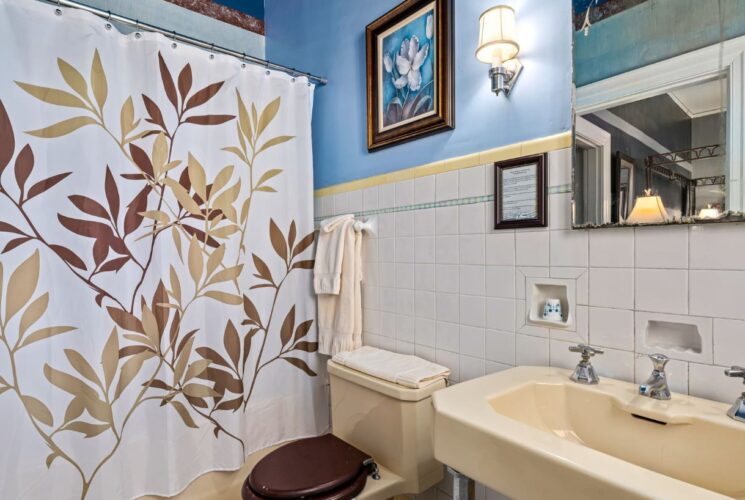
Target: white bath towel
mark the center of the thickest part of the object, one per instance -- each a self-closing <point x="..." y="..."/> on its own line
<point x="402" y="369"/>
<point x="340" y="314"/>
<point x="329" y="254"/>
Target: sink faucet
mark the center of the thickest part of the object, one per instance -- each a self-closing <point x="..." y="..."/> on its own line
<point x="585" y="373"/>
<point x="737" y="411"/>
<point x="656" y="385"/>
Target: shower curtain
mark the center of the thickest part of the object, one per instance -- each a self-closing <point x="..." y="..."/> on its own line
<point x="156" y="233"/>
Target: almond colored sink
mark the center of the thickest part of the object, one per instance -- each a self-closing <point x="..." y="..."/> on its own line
<point x="530" y="432"/>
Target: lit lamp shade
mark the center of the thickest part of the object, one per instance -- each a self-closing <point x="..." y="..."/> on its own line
<point x="709" y="213"/>
<point x="648" y="209"/>
<point x="497" y="36"/>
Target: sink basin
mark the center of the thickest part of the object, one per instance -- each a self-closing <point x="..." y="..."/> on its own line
<point x="529" y="432"/>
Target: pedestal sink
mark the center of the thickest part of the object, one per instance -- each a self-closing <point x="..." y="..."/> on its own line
<point x="529" y="432"/>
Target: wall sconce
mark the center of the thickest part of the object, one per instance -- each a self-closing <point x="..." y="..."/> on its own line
<point x="498" y="47"/>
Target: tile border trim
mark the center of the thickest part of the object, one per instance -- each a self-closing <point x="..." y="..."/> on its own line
<point x="516" y="150"/>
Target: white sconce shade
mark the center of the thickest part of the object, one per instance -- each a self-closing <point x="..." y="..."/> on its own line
<point x="709" y="213"/>
<point x="648" y="209"/>
<point x="497" y="36"/>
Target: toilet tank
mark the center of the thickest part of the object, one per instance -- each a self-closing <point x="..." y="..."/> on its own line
<point x="390" y="422"/>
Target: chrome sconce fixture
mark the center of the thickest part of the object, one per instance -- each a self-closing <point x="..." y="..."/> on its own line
<point x="498" y="47"/>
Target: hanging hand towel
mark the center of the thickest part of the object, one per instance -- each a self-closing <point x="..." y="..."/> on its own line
<point x="340" y="316"/>
<point x="327" y="269"/>
<point x="401" y="369"/>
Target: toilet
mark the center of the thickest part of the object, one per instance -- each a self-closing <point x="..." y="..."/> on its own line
<point x="381" y="446"/>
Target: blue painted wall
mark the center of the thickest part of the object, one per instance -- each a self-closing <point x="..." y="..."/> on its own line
<point x="253" y="8"/>
<point x="328" y="38"/>
<point x="651" y="32"/>
<point x="173" y="17"/>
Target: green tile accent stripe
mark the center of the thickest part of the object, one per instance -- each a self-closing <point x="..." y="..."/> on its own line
<point x="564" y="188"/>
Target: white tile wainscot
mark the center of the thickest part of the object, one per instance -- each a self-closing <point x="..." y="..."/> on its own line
<point x="441" y="283"/>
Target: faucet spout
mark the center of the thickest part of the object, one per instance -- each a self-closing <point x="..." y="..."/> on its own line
<point x="656" y="386"/>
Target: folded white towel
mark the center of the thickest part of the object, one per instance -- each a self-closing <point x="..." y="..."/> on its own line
<point x="329" y="254"/>
<point x="402" y="369"/>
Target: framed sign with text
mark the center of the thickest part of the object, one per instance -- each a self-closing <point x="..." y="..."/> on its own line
<point x="520" y="192"/>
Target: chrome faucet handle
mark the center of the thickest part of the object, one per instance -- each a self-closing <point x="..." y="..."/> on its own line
<point x="659" y="361"/>
<point x="656" y="386"/>
<point x="735" y="371"/>
<point x="737" y="411"/>
<point x="585" y="373"/>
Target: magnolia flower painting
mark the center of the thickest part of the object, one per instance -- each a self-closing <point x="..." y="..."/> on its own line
<point x="408" y="70"/>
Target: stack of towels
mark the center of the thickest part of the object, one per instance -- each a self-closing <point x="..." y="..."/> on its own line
<point x="338" y="283"/>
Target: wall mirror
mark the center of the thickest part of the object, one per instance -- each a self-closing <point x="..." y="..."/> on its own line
<point x="662" y="143"/>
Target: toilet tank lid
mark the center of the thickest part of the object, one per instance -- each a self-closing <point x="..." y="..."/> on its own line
<point x="390" y="389"/>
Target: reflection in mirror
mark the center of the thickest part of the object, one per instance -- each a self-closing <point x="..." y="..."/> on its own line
<point x="653" y="160"/>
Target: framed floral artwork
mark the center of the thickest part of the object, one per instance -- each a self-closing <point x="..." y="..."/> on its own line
<point x="410" y="73"/>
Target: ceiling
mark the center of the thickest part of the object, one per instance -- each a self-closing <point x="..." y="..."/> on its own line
<point x="700" y="100"/>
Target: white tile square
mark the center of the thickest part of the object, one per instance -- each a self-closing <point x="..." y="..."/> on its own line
<point x="612" y="247"/>
<point x="327" y="206"/>
<point x="446" y="220"/>
<point x="341" y="203"/>
<point x="473" y="311"/>
<point x="612" y="328"/>
<point x="448" y="336"/>
<point x="663" y="327"/>
<point x="560" y="356"/>
<point x="612" y="288"/>
<point x="560" y="211"/>
<point x="424" y="304"/>
<point x="387" y="250"/>
<point x="387" y="274"/>
<point x="407" y="348"/>
<point x="471" y="218"/>
<point x="371" y="297"/>
<point x="500" y="282"/>
<point x="729" y="342"/>
<point x="472" y="249"/>
<point x="370" y="198"/>
<point x="424" y="277"/>
<point x="494" y="367"/>
<point x="471" y="368"/>
<point x="446" y="249"/>
<point x="387" y="195"/>
<point x="404" y="328"/>
<point x="426" y="352"/>
<point x="446" y="278"/>
<point x="449" y="360"/>
<point x="446" y="186"/>
<point x="424" y="222"/>
<point x="560" y="167"/>
<point x="500" y="346"/>
<point x="717" y="246"/>
<point x="717" y="293"/>
<point x="388" y="324"/>
<point x="579" y="332"/>
<point x="447" y="307"/>
<point x="424" y="189"/>
<point x="405" y="302"/>
<point x="472" y="341"/>
<point x="404" y="250"/>
<point x="405" y="193"/>
<point x="370" y="249"/>
<point x="405" y="276"/>
<point x="424" y="249"/>
<point x="568" y="248"/>
<point x="709" y="381"/>
<point x="388" y="299"/>
<point x="531" y="351"/>
<point x="616" y="364"/>
<point x="404" y="224"/>
<point x="500" y="248"/>
<point x="386" y="225"/>
<point x="472" y="182"/>
<point x="500" y="314"/>
<point x="662" y="290"/>
<point x="661" y="247"/>
<point x="531" y="248"/>
<point x="370" y="321"/>
<point x="355" y="201"/>
<point x="472" y="280"/>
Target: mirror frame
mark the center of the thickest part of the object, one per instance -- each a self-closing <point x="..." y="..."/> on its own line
<point x="727" y="58"/>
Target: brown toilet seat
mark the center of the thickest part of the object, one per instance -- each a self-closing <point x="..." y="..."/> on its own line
<point x="318" y="468"/>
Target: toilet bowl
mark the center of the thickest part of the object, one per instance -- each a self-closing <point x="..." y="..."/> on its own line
<point x="380" y="447"/>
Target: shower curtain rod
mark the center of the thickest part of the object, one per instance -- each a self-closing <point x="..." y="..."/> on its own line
<point x="109" y="16"/>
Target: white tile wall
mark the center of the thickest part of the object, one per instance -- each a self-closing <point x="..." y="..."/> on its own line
<point x="441" y="283"/>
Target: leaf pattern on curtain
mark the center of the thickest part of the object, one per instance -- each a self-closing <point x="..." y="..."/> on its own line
<point x="148" y="354"/>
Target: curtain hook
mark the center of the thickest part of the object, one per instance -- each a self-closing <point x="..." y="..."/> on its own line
<point x="173" y="44"/>
<point x="58" y="11"/>
<point x="212" y="49"/>
<point x="266" y="66"/>
<point x="108" y="19"/>
<point x="137" y="27"/>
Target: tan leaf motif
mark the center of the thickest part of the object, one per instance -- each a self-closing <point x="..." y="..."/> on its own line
<point x="182" y="196"/>
<point x="82" y="366"/>
<point x="199" y="391"/>
<point x="184" y="414"/>
<point x="197" y="177"/>
<point x="288" y="325"/>
<point x="73" y="78"/>
<point x="45" y="333"/>
<point x="129" y="371"/>
<point x="74" y="409"/>
<point x="90" y="430"/>
<point x="222" y="178"/>
<point x="175" y="285"/>
<point x="269" y="174"/>
<point x="196" y="368"/>
<point x="267" y="115"/>
<point x="53" y="96"/>
<point x="150" y="324"/>
<point x="227" y="274"/>
<point x="127" y="117"/>
<point x="196" y="262"/>
<point x="182" y="361"/>
<point x="215" y="259"/>
<point x="110" y="357"/>
<point x="33" y="312"/>
<point x="243" y="118"/>
<point x="38" y="410"/>
<point x="98" y="81"/>
<point x="63" y="128"/>
<point x="224" y="297"/>
<point x="21" y="285"/>
<point x="275" y="141"/>
<point x="232" y="342"/>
